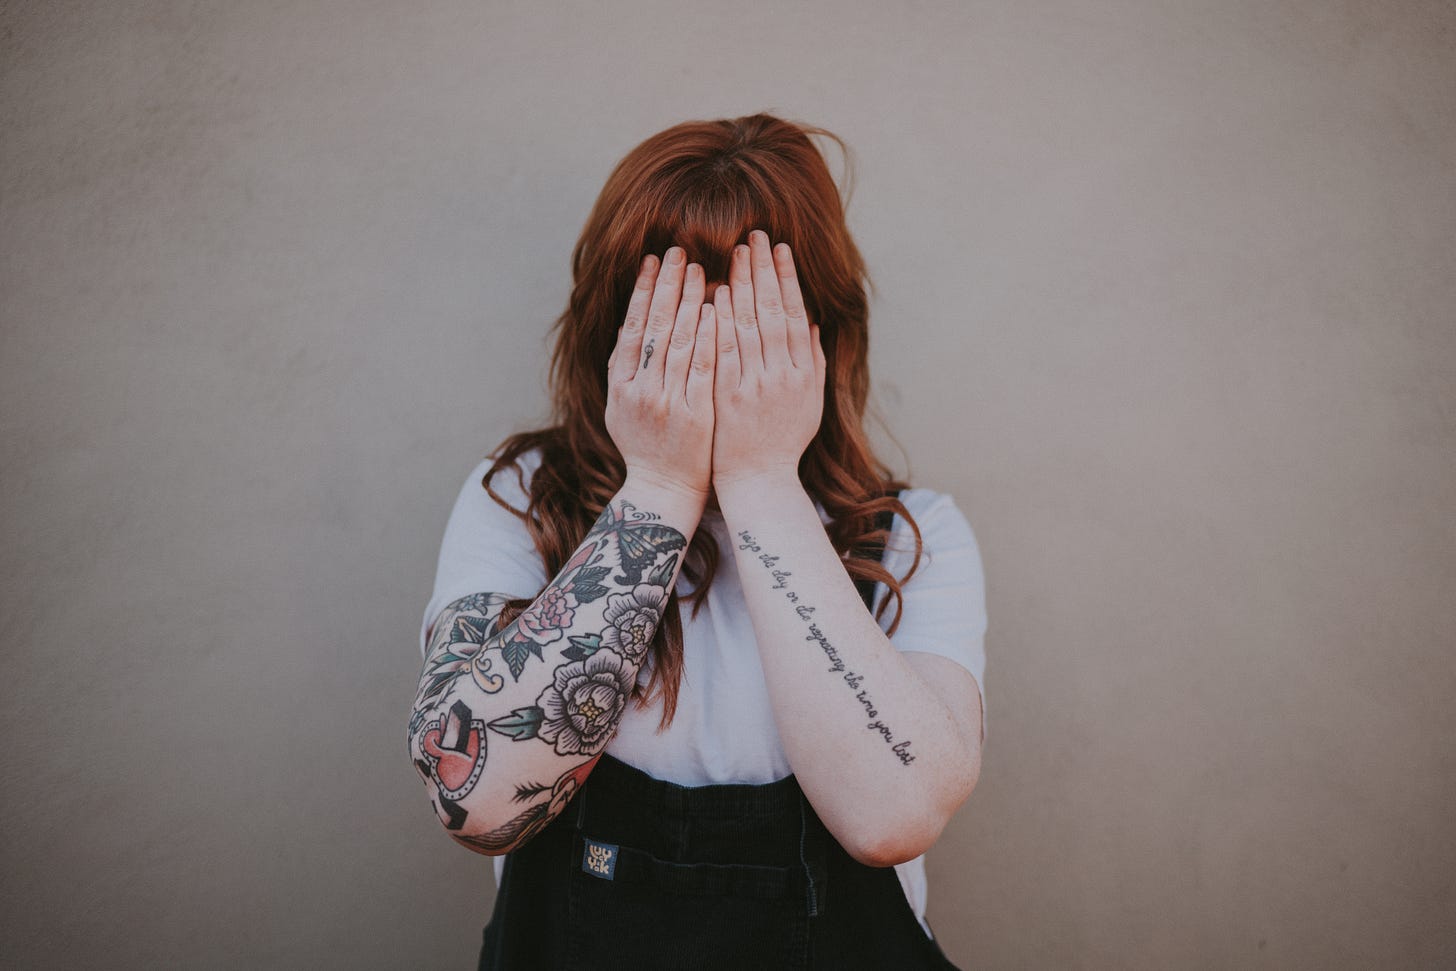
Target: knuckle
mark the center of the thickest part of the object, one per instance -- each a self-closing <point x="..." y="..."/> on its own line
<point x="701" y="365"/>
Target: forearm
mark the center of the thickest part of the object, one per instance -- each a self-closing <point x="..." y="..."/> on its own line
<point x="877" y="752"/>
<point x="507" y="723"/>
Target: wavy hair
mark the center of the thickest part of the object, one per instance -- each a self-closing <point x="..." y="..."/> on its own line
<point x="703" y="185"/>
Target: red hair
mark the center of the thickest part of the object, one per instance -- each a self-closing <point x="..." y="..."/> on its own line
<point x="703" y="185"/>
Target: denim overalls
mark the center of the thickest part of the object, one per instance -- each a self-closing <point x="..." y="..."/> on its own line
<point x="641" y="873"/>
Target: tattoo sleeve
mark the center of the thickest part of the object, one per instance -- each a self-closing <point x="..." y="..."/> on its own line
<point x="509" y="721"/>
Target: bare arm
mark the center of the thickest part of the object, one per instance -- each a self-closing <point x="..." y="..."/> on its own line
<point x="882" y="757"/>
<point x="507" y="723"/>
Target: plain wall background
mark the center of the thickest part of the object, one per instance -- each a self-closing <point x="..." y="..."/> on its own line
<point x="1165" y="299"/>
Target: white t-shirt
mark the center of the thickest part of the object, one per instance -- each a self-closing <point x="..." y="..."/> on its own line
<point x="486" y="549"/>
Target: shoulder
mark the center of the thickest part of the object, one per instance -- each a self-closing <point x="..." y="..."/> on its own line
<point x="942" y="524"/>
<point x="480" y="519"/>
<point x="512" y="482"/>
<point x="919" y="500"/>
<point x="486" y="548"/>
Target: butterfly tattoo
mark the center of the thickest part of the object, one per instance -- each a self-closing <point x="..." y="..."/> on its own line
<point x="639" y="539"/>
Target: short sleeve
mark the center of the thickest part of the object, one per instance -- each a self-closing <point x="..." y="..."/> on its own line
<point x="944" y="606"/>
<point x="486" y="549"/>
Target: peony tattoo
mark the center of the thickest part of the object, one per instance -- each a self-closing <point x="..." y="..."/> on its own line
<point x="579" y="710"/>
<point x="634" y="617"/>
<point x="581" y="706"/>
<point x="552" y="612"/>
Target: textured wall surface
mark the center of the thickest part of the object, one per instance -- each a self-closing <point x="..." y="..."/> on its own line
<point x="1165" y="299"/>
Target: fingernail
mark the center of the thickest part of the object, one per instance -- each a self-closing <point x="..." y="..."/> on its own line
<point x="675" y="255"/>
<point x="760" y="235"/>
<point x="649" y="262"/>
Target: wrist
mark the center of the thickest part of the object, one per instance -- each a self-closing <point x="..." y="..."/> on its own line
<point x="678" y="503"/>
<point x="730" y="487"/>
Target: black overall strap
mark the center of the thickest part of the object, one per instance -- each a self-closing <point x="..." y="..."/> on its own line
<point x="874" y="550"/>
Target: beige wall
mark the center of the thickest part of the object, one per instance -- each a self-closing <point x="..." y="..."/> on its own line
<point x="1165" y="299"/>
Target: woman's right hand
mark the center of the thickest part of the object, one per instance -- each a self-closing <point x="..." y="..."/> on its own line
<point x="660" y="379"/>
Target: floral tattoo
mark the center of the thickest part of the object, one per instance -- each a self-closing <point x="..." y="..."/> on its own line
<point x="628" y="562"/>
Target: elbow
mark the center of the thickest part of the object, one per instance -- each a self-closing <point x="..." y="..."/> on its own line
<point x="449" y="763"/>
<point x="899" y="836"/>
<point x="910" y="831"/>
<point x="885" y="854"/>
<point x="471" y="829"/>
<point x="898" y="843"/>
<point x="490" y="837"/>
<point x="474" y="843"/>
<point x="486" y="840"/>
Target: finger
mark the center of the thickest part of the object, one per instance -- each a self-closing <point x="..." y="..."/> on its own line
<point x="745" y="320"/>
<point x="684" y="332"/>
<point x="660" y="318"/>
<point x="795" y="319"/>
<point x="629" y="335"/>
<point x="768" y="302"/>
<point x="727" y="370"/>
<point x="705" y="350"/>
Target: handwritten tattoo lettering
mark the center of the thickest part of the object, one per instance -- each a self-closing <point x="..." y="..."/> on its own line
<point x="901" y="749"/>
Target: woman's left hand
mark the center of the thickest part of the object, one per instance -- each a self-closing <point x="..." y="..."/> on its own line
<point x="768" y="388"/>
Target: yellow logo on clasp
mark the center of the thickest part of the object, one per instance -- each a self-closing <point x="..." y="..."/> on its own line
<point x="599" y="858"/>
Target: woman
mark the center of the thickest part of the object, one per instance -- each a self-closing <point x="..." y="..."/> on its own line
<point x="752" y="785"/>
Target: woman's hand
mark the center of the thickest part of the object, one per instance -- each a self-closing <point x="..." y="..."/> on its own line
<point x="660" y="379"/>
<point x="768" y="390"/>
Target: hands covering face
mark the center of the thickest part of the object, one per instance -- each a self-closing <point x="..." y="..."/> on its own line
<point x="716" y="390"/>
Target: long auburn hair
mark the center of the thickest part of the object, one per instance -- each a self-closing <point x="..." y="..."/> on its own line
<point x="703" y="185"/>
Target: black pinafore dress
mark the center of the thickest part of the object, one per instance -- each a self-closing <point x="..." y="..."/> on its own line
<point x="646" y="874"/>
